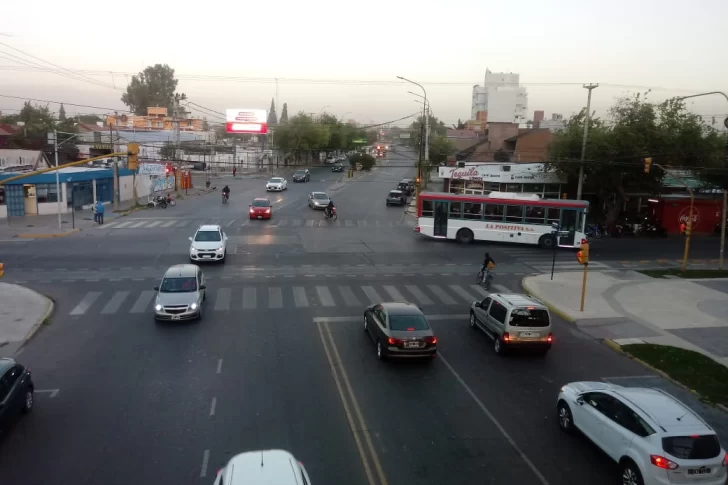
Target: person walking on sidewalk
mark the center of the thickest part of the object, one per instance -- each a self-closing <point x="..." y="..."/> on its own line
<point x="235" y="170"/>
<point x="96" y="214"/>
<point x="100" y="212"/>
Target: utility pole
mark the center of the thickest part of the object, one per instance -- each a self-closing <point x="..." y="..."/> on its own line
<point x="58" y="180"/>
<point x="580" y="187"/>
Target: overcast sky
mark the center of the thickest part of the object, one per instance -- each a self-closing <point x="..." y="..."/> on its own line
<point x="344" y="57"/>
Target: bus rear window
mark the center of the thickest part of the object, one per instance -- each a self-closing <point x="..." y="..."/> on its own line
<point x="523" y="317"/>
<point x="427" y="210"/>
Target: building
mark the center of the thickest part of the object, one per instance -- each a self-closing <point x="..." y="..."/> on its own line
<point x="495" y="177"/>
<point x="6" y="131"/>
<point x="556" y="123"/>
<point x="18" y="160"/>
<point x="501" y="97"/>
<point x="155" y="119"/>
<point x="528" y="145"/>
<point x="537" y="118"/>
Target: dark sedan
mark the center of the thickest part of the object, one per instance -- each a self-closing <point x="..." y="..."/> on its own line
<point x="337" y="168"/>
<point x="396" y="197"/>
<point x="399" y="330"/>
<point x="301" y="176"/>
<point x="16" y="391"/>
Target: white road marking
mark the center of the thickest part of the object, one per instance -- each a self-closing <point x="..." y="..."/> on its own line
<point x="219" y="366"/>
<point x="205" y="461"/>
<point x="213" y="405"/>
<point x="53" y="392"/>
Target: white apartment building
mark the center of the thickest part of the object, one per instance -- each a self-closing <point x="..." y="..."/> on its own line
<point x="502" y="97"/>
<point x="556" y="123"/>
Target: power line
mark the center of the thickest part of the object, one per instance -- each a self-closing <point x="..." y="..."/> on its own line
<point x="64" y="103"/>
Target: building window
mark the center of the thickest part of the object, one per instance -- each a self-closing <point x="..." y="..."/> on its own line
<point x="513" y="188"/>
<point x="533" y="188"/>
<point x="46" y="193"/>
<point x="2" y="196"/>
<point x="552" y="191"/>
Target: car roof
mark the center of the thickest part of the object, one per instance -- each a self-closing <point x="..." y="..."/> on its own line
<point x="401" y="308"/>
<point x="301" y="170"/>
<point x="517" y="300"/>
<point x="664" y="409"/>
<point x="181" y="271"/>
<point x="263" y="467"/>
<point x="209" y="227"/>
<point x="397" y="191"/>
<point x="5" y="364"/>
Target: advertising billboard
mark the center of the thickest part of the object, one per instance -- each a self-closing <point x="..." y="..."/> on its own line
<point x="247" y="121"/>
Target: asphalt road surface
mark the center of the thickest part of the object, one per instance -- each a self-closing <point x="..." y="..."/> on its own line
<point x="280" y="358"/>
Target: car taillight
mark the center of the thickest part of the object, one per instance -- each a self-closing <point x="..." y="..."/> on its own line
<point x="550" y="338"/>
<point x="662" y="462"/>
<point x="725" y="460"/>
<point x="431" y="340"/>
<point x="506" y="337"/>
<point x="393" y="341"/>
<point x="417" y="228"/>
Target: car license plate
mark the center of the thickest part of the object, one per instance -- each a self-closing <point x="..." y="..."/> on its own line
<point x="698" y="471"/>
<point x="207" y="255"/>
<point x="529" y="334"/>
<point x="413" y="345"/>
<point x="260" y="217"/>
<point x="175" y="317"/>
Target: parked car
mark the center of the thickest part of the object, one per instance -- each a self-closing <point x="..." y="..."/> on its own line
<point x="208" y="244"/>
<point x="337" y="167"/>
<point x="277" y="467"/>
<point x="399" y="329"/>
<point x="16" y="391"/>
<point x="302" y="176"/>
<point x="396" y="197"/>
<point x="407" y="186"/>
<point x="181" y="294"/>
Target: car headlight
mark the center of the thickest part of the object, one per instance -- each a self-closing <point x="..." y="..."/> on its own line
<point x="218" y="249"/>
<point x="158" y="307"/>
<point x="193" y="249"/>
<point x="193" y="306"/>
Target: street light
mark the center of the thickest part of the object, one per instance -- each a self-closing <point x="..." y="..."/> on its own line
<point x="426" y="138"/>
<point x="58" y="176"/>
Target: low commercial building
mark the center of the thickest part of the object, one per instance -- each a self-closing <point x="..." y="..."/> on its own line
<point x="529" y="178"/>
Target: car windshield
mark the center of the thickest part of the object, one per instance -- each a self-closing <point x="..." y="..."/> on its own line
<point x="395" y="193"/>
<point x="320" y="196"/>
<point x="276" y="181"/>
<point x="406" y="323"/>
<point x="261" y="203"/>
<point x="703" y="447"/>
<point x="300" y="172"/>
<point x="529" y="317"/>
<point x="185" y="284"/>
<point x="208" y="236"/>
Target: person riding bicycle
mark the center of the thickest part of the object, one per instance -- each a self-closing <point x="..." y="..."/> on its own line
<point x="488" y="263"/>
<point x="226" y="192"/>
<point x="329" y="208"/>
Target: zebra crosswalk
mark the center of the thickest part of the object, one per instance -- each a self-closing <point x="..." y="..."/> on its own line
<point x="249" y="298"/>
<point x="541" y="260"/>
<point x="176" y="223"/>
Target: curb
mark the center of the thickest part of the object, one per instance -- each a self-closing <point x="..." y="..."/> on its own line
<point x="561" y="314"/>
<point x="30" y="235"/>
<point x="618" y="348"/>
<point x="43" y="321"/>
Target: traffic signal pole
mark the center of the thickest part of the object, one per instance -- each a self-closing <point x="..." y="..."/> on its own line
<point x="583" y="287"/>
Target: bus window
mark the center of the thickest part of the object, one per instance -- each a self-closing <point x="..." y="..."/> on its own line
<point x="514" y="213"/>
<point x="472" y="211"/>
<point x="580" y="220"/>
<point x="568" y="219"/>
<point x="553" y="214"/>
<point x="427" y="208"/>
<point x="535" y="215"/>
<point x="456" y="210"/>
<point x="493" y="212"/>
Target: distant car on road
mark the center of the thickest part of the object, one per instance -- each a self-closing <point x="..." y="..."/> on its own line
<point x="208" y="244"/>
<point x="16" y="391"/>
<point x="407" y="186"/>
<point x="181" y="294"/>
<point x="261" y="209"/>
<point x="276" y="184"/>
<point x="399" y="329"/>
<point x="318" y="200"/>
<point x="396" y="197"/>
<point x="337" y="167"/>
<point x="302" y="175"/>
<point x="654" y="438"/>
<point x="277" y="467"/>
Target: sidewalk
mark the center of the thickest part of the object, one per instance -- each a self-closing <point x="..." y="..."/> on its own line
<point x="627" y="307"/>
<point x="22" y="312"/>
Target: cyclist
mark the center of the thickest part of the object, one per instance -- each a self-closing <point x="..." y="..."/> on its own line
<point x="488" y="265"/>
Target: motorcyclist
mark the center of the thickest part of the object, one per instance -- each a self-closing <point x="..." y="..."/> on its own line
<point x="329" y="208"/>
<point x="226" y="192"/>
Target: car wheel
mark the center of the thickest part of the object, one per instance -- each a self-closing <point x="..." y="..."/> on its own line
<point x="473" y="322"/>
<point x="202" y="308"/>
<point x="566" y="420"/>
<point x="380" y="351"/>
<point x="498" y="346"/>
<point x="28" y="402"/>
<point x="630" y="473"/>
<point x="224" y="257"/>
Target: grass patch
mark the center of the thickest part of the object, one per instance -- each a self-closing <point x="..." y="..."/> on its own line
<point x="692" y="369"/>
<point x="688" y="273"/>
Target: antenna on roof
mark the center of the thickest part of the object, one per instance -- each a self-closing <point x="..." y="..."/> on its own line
<point x="261" y="459"/>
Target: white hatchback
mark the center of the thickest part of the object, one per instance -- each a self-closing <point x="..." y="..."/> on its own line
<point x="276" y="184"/>
<point x="277" y="467"/>
<point x="655" y="439"/>
<point x="208" y="244"/>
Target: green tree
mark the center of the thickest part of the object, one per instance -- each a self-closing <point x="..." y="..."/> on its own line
<point x="284" y="114"/>
<point x="460" y="125"/>
<point x="272" y="117"/>
<point x="61" y="113"/>
<point x="168" y="151"/>
<point x="91" y="119"/>
<point x="38" y="121"/>
<point x="154" y="86"/>
<point x="440" y="148"/>
<point x="366" y="161"/>
<point x="301" y="137"/>
<point x="667" y="132"/>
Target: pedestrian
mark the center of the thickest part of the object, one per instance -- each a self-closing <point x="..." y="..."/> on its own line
<point x="235" y="170"/>
<point x="96" y="214"/>
<point x="100" y="212"/>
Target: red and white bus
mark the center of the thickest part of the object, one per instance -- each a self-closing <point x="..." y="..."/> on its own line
<point x="502" y="217"/>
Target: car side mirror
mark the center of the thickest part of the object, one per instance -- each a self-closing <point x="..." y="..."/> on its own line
<point x="156" y="288"/>
<point x="202" y="287"/>
<point x="190" y="238"/>
<point x="477" y="304"/>
<point x="580" y="401"/>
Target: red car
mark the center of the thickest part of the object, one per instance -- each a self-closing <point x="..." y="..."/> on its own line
<point x="261" y="209"/>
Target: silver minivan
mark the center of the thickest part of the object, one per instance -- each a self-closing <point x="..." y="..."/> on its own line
<point x="181" y="294"/>
<point x="513" y="321"/>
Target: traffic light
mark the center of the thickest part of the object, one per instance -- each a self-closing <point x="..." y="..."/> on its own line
<point x="167" y="170"/>
<point x="583" y="255"/>
<point x="379" y="147"/>
<point x="648" y="164"/>
<point x="417" y="181"/>
<point x="132" y="162"/>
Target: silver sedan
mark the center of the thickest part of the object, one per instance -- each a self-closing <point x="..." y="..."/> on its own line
<point x="318" y="200"/>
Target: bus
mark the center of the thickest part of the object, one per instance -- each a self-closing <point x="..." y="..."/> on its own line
<point x="502" y="217"/>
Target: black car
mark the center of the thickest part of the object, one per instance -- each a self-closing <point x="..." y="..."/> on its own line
<point x="399" y="330"/>
<point x="396" y="197"/>
<point x="407" y="186"/>
<point x="16" y="391"/>
<point x="337" y="168"/>
<point x="301" y="176"/>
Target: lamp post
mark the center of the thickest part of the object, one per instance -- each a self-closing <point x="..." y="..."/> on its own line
<point x="426" y="138"/>
<point x="58" y="175"/>
<point x="73" y="205"/>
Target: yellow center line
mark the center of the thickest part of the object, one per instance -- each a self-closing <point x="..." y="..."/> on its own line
<point x="337" y="368"/>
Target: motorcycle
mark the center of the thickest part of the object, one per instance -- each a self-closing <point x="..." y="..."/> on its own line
<point x="330" y="214"/>
<point x="225" y="197"/>
<point x="171" y="201"/>
<point x="158" y="201"/>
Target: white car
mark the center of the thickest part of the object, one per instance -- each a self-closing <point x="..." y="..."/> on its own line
<point x="655" y="439"/>
<point x="208" y="244"/>
<point x="277" y="467"/>
<point x="276" y="184"/>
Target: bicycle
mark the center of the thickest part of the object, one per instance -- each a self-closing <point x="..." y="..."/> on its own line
<point x="485" y="276"/>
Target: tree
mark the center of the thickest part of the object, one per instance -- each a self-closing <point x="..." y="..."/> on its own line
<point x="284" y="114"/>
<point x="168" y="151"/>
<point x="61" y="113"/>
<point x="440" y="148"/>
<point x="154" y="86"/>
<point x="667" y="132"/>
<point x="38" y="121"/>
<point x="460" y="125"/>
<point x="301" y="136"/>
<point x="366" y="161"/>
<point x="272" y="117"/>
<point x="91" y="119"/>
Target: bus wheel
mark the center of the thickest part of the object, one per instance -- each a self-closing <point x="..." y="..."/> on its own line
<point x="465" y="236"/>
<point x="546" y="241"/>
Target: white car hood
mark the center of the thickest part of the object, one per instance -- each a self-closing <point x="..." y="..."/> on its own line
<point x="275" y="184"/>
<point x="207" y="245"/>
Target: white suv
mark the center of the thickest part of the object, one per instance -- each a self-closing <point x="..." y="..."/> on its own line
<point x="208" y="244"/>
<point x="276" y="184"/>
<point x="655" y="439"/>
<point x="277" y="467"/>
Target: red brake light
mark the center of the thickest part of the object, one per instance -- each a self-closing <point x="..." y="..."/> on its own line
<point x="550" y="338"/>
<point x="506" y="337"/>
<point x="725" y="460"/>
<point x="411" y="329"/>
<point x="417" y="228"/>
<point x="662" y="462"/>
<point x="431" y="340"/>
<point x="393" y="341"/>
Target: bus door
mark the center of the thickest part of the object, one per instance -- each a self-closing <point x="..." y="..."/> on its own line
<point x="440" y="228"/>
<point x="568" y="227"/>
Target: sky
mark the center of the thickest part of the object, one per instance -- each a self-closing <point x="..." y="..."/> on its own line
<point x="345" y="58"/>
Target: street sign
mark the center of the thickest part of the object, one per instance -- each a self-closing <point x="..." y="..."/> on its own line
<point x="158" y="169"/>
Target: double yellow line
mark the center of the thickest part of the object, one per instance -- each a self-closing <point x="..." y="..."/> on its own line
<point x="362" y="437"/>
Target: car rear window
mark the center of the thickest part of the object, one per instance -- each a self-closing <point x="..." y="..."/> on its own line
<point x="395" y="194"/>
<point x="529" y="317"/>
<point x="261" y="203"/>
<point x="207" y="236"/>
<point x="692" y="447"/>
<point x="409" y="323"/>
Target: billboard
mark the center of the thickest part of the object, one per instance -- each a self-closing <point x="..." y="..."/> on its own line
<point x="247" y="121"/>
<point x="156" y="169"/>
<point x="404" y="136"/>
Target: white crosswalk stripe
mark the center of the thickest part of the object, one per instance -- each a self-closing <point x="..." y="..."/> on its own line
<point x="279" y="297"/>
<point x="171" y="223"/>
